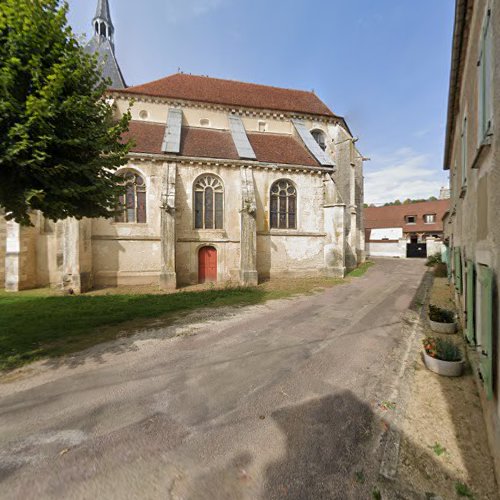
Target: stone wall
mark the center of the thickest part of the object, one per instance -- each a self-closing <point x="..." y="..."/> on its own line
<point x="128" y="254"/>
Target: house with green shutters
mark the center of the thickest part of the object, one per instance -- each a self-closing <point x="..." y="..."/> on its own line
<point x="472" y="226"/>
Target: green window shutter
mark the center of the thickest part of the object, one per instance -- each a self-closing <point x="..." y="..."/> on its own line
<point x="485" y="277"/>
<point x="448" y="253"/>
<point x="471" y="295"/>
<point x="458" y="269"/>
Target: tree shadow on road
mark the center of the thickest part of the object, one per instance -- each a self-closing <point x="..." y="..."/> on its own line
<point x="334" y="447"/>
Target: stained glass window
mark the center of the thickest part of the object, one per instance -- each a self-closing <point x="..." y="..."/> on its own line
<point x="133" y="203"/>
<point x="208" y="203"/>
<point x="283" y="206"/>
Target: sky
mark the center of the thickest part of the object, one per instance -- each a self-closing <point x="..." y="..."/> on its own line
<point x="382" y="64"/>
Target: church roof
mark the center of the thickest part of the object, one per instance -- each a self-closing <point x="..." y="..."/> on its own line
<point x="218" y="144"/>
<point x="107" y="60"/>
<point x="233" y="93"/>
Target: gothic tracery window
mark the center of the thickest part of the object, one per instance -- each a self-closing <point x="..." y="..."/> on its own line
<point x="283" y="207"/>
<point x="208" y="203"/>
<point x="133" y="202"/>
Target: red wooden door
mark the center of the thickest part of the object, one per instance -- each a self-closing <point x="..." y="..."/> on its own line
<point x="207" y="264"/>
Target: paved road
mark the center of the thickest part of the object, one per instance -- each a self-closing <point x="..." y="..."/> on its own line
<point x="273" y="401"/>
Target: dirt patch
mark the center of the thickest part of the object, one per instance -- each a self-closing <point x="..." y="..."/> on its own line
<point x="444" y="447"/>
<point x="285" y="285"/>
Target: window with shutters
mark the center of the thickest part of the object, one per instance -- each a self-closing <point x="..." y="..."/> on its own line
<point x="283" y="205"/>
<point x="484" y="66"/>
<point x="471" y="302"/>
<point x="457" y="268"/>
<point x="208" y="203"/>
<point x="132" y="204"/>
<point x="485" y="326"/>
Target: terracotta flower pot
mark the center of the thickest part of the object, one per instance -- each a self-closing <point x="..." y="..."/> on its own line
<point x="439" y="327"/>
<point x="445" y="368"/>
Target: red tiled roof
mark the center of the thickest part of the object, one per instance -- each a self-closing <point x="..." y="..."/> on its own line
<point x="232" y="93"/>
<point x="394" y="216"/>
<point x="277" y="148"/>
<point x="207" y="143"/>
<point x="148" y="137"/>
<point x="212" y="143"/>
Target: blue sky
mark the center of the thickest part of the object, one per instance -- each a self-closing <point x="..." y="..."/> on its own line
<point x="382" y="64"/>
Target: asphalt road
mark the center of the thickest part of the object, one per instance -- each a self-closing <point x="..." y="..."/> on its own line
<point x="274" y="401"/>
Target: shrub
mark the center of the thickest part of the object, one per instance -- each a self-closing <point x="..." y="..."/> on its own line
<point x="441" y="315"/>
<point x="441" y="270"/>
<point x="432" y="260"/>
<point x="442" y="349"/>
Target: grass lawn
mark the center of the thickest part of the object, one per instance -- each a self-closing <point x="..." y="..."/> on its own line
<point x="361" y="270"/>
<point x="39" y="324"/>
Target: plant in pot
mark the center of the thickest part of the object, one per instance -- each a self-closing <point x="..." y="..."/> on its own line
<point x="442" y="320"/>
<point x="443" y="357"/>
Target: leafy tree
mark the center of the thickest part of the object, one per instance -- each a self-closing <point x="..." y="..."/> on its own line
<point x="59" y="142"/>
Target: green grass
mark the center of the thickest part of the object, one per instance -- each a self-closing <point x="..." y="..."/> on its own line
<point x="39" y="324"/>
<point x="463" y="490"/>
<point x="361" y="270"/>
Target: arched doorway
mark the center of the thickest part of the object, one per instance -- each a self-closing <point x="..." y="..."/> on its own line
<point x="207" y="264"/>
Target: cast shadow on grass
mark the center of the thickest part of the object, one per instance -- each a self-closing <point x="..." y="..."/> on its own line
<point x="33" y="328"/>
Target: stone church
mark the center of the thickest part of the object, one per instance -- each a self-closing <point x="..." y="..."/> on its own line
<point x="227" y="181"/>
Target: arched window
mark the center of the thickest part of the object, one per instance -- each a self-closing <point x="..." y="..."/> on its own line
<point x="208" y="203"/>
<point x="283" y="205"/>
<point x="133" y="202"/>
<point x="319" y="137"/>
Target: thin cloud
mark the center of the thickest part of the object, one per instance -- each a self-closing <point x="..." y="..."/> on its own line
<point x="402" y="174"/>
<point x="178" y="10"/>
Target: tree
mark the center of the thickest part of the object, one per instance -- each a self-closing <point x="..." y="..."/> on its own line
<point x="59" y="142"/>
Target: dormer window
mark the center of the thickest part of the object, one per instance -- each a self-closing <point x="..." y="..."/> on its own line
<point x="430" y="218"/>
<point x="320" y="138"/>
<point x="411" y="219"/>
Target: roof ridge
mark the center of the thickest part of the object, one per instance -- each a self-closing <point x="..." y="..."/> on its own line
<point x="242" y="82"/>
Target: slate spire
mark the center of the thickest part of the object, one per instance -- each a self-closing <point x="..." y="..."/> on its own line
<point x="102" y="44"/>
<point x="103" y="26"/>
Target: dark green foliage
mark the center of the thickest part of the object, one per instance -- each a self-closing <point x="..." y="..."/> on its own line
<point x="432" y="260"/>
<point x="442" y="349"/>
<point x="409" y="201"/>
<point x="59" y="144"/>
<point x="441" y="315"/>
<point x="463" y="490"/>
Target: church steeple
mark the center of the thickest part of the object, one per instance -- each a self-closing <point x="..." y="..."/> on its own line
<point x="103" y="26"/>
<point x="103" y="44"/>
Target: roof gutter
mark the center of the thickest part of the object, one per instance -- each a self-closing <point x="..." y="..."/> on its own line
<point x="459" y="40"/>
<point x="222" y="161"/>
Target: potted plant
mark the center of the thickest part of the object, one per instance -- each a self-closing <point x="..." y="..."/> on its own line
<point x="443" y="357"/>
<point x="442" y="320"/>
